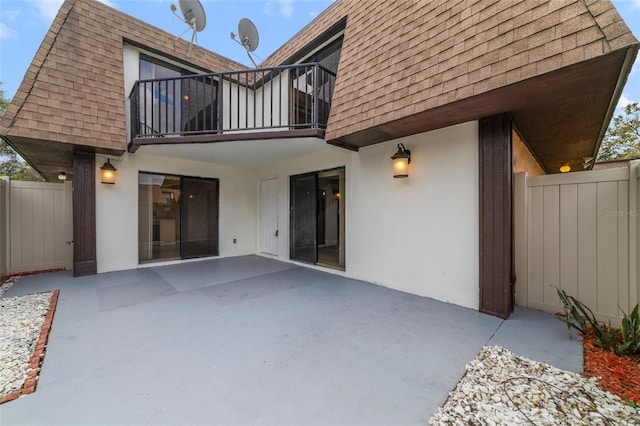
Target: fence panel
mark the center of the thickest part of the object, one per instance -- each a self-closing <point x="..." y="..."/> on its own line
<point x="581" y="236"/>
<point x="38" y="226"/>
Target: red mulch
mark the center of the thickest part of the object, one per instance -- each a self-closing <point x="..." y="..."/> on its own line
<point x="618" y="375"/>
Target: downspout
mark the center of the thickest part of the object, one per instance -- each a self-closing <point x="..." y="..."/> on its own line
<point x="629" y="59"/>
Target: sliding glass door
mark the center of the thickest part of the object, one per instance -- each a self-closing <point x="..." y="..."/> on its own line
<point x="199" y="208"/>
<point x="303" y="217"/>
<point x="177" y="217"/>
<point x="317" y="218"/>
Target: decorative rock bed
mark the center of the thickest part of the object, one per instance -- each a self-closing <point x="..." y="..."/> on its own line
<point x="6" y="285"/>
<point x="24" y="326"/>
<point x="502" y="388"/>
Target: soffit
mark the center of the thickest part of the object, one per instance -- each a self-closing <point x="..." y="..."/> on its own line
<point x="49" y="158"/>
<point x="559" y="114"/>
<point x="247" y="153"/>
<point x="410" y="67"/>
<point x="402" y="58"/>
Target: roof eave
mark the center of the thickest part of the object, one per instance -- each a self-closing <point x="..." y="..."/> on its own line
<point x="625" y="70"/>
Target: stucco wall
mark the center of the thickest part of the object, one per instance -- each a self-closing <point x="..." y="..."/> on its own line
<point x="117" y="207"/>
<point x="523" y="160"/>
<point x="419" y="234"/>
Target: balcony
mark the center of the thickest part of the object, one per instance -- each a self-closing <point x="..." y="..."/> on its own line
<point x="279" y="102"/>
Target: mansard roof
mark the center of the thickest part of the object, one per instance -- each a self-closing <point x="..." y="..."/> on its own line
<point x="73" y="93"/>
<point x="556" y="66"/>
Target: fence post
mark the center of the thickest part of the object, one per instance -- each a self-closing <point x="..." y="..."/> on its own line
<point x="68" y="225"/>
<point x="4" y="225"/>
<point x="520" y="237"/>
<point x="634" y="232"/>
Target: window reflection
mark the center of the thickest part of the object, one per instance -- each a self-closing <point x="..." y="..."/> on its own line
<point x="177" y="217"/>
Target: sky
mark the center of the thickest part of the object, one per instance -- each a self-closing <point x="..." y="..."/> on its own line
<point x="24" y="23"/>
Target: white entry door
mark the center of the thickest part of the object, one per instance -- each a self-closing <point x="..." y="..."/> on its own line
<point x="269" y="216"/>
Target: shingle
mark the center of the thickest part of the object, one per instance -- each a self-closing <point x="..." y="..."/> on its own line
<point x="83" y="57"/>
<point x="419" y="54"/>
<point x="498" y="42"/>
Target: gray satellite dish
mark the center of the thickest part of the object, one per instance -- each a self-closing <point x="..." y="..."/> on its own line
<point x="194" y="17"/>
<point x="247" y="37"/>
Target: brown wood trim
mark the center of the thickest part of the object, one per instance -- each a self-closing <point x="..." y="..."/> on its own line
<point x="84" y="214"/>
<point x="496" y="216"/>
<point x="341" y="144"/>
<point x="226" y="137"/>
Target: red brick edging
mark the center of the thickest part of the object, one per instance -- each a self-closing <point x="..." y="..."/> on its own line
<point x="41" y="271"/>
<point x="30" y="382"/>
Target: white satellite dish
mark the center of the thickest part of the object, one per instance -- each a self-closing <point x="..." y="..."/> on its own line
<point x="194" y="17"/>
<point x="247" y="37"/>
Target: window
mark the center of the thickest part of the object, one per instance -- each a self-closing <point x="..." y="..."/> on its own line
<point x="160" y="104"/>
<point x="312" y="91"/>
<point x="317" y="218"/>
<point x="177" y="217"/>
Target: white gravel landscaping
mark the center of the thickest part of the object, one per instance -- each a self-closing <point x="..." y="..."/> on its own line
<point x="7" y="284"/>
<point x="500" y="388"/>
<point x="21" y="320"/>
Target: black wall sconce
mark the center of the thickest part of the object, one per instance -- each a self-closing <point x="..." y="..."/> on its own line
<point x="401" y="161"/>
<point x="108" y="172"/>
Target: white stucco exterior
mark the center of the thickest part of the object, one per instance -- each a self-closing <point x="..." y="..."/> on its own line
<point x="418" y="235"/>
<point x="117" y="207"/>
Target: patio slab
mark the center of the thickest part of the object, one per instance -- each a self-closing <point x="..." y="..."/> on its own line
<point x="250" y="340"/>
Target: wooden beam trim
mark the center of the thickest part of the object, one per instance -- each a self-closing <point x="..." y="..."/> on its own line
<point x="226" y="137"/>
<point x="84" y="214"/>
<point x="496" y="248"/>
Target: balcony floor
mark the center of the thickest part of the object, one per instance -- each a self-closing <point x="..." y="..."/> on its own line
<point x="251" y="153"/>
<point x="229" y="136"/>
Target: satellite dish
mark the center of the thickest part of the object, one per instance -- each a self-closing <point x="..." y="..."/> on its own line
<point x="194" y="17"/>
<point x="247" y="37"/>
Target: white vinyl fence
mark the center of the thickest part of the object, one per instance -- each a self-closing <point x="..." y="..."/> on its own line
<point x="578" y="232"/>
<point x="36" y="226"/>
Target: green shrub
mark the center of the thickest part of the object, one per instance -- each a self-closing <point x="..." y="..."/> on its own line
<point x="629" y="333"/>
<point x="623" y="341"/>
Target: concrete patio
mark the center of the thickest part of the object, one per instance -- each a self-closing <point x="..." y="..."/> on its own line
<point x="253" y="341"/>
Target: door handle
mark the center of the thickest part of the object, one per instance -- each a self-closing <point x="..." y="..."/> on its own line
<point x="276" y="232"/>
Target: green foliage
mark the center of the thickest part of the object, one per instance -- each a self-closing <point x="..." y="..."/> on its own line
<point x="4" y="102"/>
<point x="623" y="341"/>
<point x="622" y="139"/>
<point x="630" y="333"/>
<point x="575" y="312"/>
<point x="11" y="164"/>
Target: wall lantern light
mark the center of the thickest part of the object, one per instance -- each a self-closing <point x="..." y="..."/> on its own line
<point x="108" y="172"/>
<point x="401" y="161"/>
<point x="62" y="176"/>
<point x="565" y="167"/>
